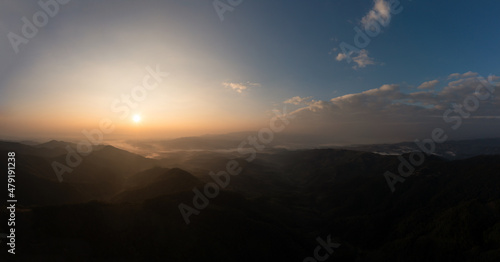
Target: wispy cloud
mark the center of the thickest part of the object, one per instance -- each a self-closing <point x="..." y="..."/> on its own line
<point x="239" y="87"/>
<point x="297" y="100"/>
<point x="379" y="16"/>
<point x="464" y="75"/>
<point x="362" y="59"/>
<point x="381" y="12"/>
<point x="428" y="84"/>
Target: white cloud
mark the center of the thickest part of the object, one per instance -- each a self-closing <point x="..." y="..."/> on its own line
<point x="380" y="13"/>
<point x="464" y="75"/>
<point x="494" y="78"/>
<point x="378" y="16"/>
<point x="341" y="56"/>
<point x="297" y="100"/>
<point x="470" y="74"/>
<point x="390" y="114"/>
<point x="362" y="60"/>
<point x="239" y="87"/>
<point x="428" y="84"/>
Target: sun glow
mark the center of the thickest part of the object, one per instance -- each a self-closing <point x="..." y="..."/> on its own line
<point x="136" y="118"/>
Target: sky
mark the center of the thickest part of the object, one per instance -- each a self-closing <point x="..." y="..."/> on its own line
<point x="349" y="71"/>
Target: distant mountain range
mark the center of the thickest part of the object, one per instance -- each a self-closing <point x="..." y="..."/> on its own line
<point x="121" y="206"/>
<point x="460" y="149"/>
<point x="452" y="149"/>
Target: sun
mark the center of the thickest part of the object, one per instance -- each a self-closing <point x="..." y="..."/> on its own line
<point x="136" y="118"/>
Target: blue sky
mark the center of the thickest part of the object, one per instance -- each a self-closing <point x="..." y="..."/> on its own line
<point x="228" y="75"/>
<point x="426" y="41"/>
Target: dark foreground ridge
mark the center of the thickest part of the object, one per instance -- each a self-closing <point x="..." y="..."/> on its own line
<point x="118" y="206"/>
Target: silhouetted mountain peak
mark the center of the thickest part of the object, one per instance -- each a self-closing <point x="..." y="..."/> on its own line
<point x="54" y="144"/>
